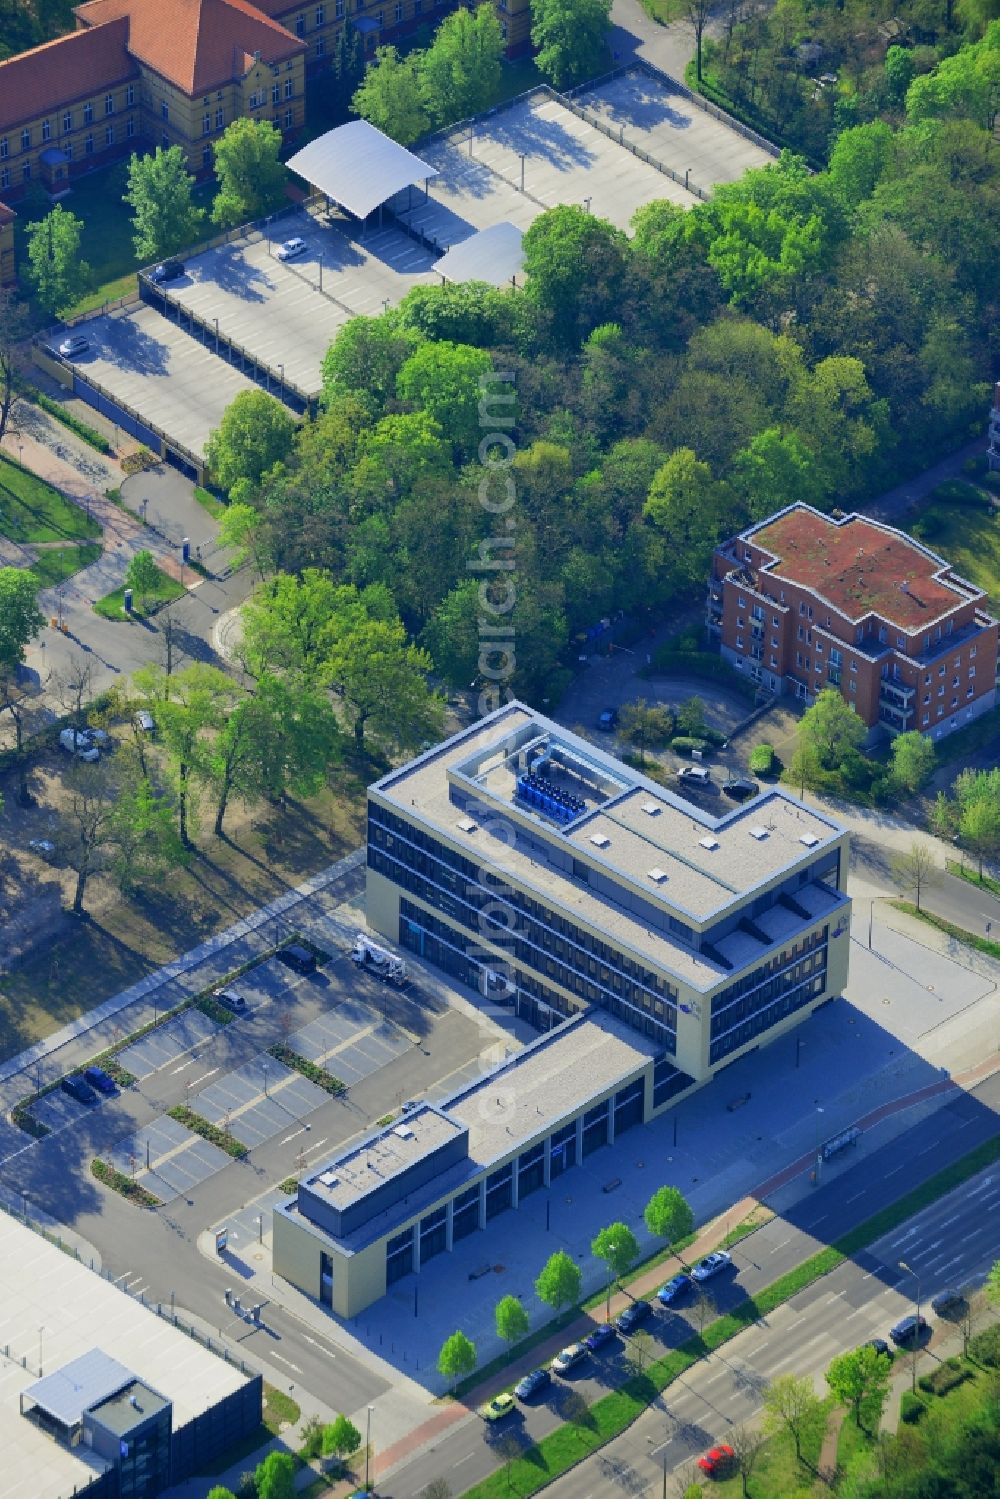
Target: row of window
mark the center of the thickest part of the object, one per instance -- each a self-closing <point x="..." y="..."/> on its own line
<point x="340" y="10"/>
<point x="784" y="960"/>
<point x="89" y="148"/>
<point x="68" y="122"/>
<point x="806" y="612"/>
<point x="761" y="998"/>
<point x="786" y="1004"/>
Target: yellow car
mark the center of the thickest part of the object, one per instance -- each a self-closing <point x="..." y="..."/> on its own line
<point x="498" y="1407"/>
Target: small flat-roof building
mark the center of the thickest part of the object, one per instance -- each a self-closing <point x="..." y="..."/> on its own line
<point x="650" y="942"/>
<point x="99" y="1396"/>
<point x="801" y="602"/>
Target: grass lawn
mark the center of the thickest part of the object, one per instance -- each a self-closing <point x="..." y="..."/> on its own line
<point x="31" y="510"/>
<point x="851" y="1441"/>
<point x="965" y="872"/>
<point x="112" y="606"/>
<point x="54" y="565"/>
<point x="959" y="521"/>
<point x="958" y="933"/>
<point x="208" y="502"/>
<point x="778" y="1472"/>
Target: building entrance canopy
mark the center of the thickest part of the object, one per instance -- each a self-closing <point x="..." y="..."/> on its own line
<point x="358" y="167"/>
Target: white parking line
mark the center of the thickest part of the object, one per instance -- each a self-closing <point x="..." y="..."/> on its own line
<point x="195" y="1081"/>
<point x="294" y="1133"/>
<point x="182" y="1066"/>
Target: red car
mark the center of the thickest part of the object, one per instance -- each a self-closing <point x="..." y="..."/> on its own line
<point x="717" y="1461"/>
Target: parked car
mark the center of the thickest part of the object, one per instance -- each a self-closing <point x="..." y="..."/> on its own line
<point x="696" y="775"/>
<point x="608" y="720"/>
<point x="144" y="721"/>
<point x="908" y="1330"/>
<point x="530" y="1385"/>
<point x="740" y="789"/>
<point x="101" y="1080"/>
<point x="718" y="1460"/>
<point x="78" y="742"/>
<point x="291" y="248"/>
<point x="569" y="1358"/>
<point x="297" y="957"/>
<point x="497" y="1408"/>
<point x="603" y="1333"/>
<point x="880" y="1345"/>
<point x="947" y="1300"/>
<point x="230" y="1000"/>
<point x="73" y="346"/>
<point x="673" y="1290"/>
<point x="43" y="847"/>
<point x="167" y="270"/>
<point x="78" y="1088"/>
<point x="711" y="1265"/>
<point x="634" y="1313"/>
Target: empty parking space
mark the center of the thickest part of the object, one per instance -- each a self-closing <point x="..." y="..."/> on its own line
<point x="178" y="1160"/>
<point x="12" y="1140"/>
<point x="350" y="1042"/>
<point x="57" y="1109"/>
<point x="287" y="313"/>
<point x="167" y="1043"/>
<point x="674" y="129"/>
<point x="258" y="1099"/>
<point x="152" y="365"/>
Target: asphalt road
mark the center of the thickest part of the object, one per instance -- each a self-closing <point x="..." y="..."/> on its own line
<point x="464" y="1454"/>
<point x="964" y="904"/>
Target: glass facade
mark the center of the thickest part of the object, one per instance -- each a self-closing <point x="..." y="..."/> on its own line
<point x="537" y="941"/>
<point x="144" y="1466"/>
<point x="399" y="1256"/>
<point x="760" y="999"/>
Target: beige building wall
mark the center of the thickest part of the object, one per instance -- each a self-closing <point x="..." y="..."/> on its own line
<point x="80" y="127"/>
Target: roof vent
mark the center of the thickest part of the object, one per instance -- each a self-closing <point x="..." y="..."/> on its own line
<point x="600" y="841"/>
<point x="467" y="825"/>
<point x="709" y="842"/>
<point x="809" y="839"/>
<point x="759" y="833"/>
<point x="403" y="1131"/>
<point x="657" y="874"/>
<point x="329" y="1179"/>
<point x="651" y="809"/>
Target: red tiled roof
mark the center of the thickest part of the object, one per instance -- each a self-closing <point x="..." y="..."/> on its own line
<point x="83" y="62"/>
<point x="196" y="44"/>
<point x="7" y="215"/>
<point x="859" y="567"/>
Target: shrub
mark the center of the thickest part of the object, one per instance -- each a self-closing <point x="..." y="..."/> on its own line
<point x="135" y="463"/>
<point x="960" y="492"/>
<point x="209" y="1131"/>
<point x="974" y="468"/>
<point x="985" y="1346"/>
<point x="56" y="409"/>
<point x="911" y="1408"/>
<point x="311" y="1070"/>
<point x="762" y="759"/>
<point x="685" y="745"/>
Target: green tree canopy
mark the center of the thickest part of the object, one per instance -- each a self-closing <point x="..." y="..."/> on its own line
<point x="255" y="433"/>
<point x="668" y="1215"/>
<point x="911" y="760"/>
<point x="575" y="265"/>
<point x="790" y="1404"/>
<point x="143" y="575"/>
<point x="275" y="1476"/>
<point x="364" y="360"/>
<point x="774" y="470"/>
<point x="341" y="1438"/>
<point x="559" y="1282"/>
<point x="964" y="86"/>
<point x="391" y="96"/>
<point x="571" y="38"/>
<point x="618" y="1247"/>
<point x="691" y="510"/>
<point x="55" y="267"/>
<point x="20" y="617"/>
<point x="445" y="380"/>
<point x="249" y="171"/>
<point x="164" y="217"/>
<point x="460" y="70"/>
<point x="860" y="1380"/>
<point x="859" y="159"/>
<point x="511" y="1319"/>
<point x="457" y="1357"/>
<point x="832" y="728"/>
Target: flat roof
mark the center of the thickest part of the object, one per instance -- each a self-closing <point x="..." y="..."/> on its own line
<point x="42" y="1287"/>
<point x="381" y="1158"/>
<point x="861" y="567"/>
<point x="359" y="167"/>
<point x="699" y="882"/>
<point x="131" y="1406"/>
<point x="494" y="255"/>
<point x="554" y="1077"/>
<point x="85" y="1381"/>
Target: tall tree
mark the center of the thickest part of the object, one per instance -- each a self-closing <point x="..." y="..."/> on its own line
<point x="576" y="266"/>
<point x="55" y="267"/>
<point x="164" y="216"/>
<point x="646" y="726"/>
<point x="668" y="1215"/>
<point x="511" y="1319"/>
<point x="348" y="62"/>
<point x="460" y="70"/>
<point x="255" y="433"/>
<point x="915" y="869"/>
<point x="20" y="617"/>
<point x="618" y="1247"/>
<point x="860" y="1380"/>
<point x="14" y="329"/>
<point x="911" y="760"/>
<point x="691" y="510"/>
<point x="275" y="1476"/>
<point x="201" y="696"/>
<point x="571" y="38"/>
<point x="790" y="1404"/>
<point x="341" y="1438"/>
<point x="832" y="728"/>
<point x="143" y="575"/>
<point x="747" y="1443"/>
<point x="391" y="97"/>
<point x="457" y="1357"/>
<point x="559" y="1281"/>
<point x="447" y="381"/>
<point x="249" y="171"/>
<point x="364" y="360"/>
<point x="382" y="679"/>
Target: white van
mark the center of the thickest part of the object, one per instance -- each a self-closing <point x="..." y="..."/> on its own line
<point x="695" y="775"/>
<point x="79" y="743"/>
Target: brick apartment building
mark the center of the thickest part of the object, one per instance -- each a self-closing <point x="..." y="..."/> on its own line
<point x="137" y="74"/>
<point x="800" y="602"/>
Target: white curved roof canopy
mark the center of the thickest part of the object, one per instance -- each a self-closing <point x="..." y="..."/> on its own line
<point x="495" y="255"/>
<point x="359" y="167"/>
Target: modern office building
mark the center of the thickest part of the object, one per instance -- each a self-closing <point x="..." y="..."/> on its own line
<point x="99" y="1396"/>
<point x="801" y="602"/>
<point x="650" y="942"/>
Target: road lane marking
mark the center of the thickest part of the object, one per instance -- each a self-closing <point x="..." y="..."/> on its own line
<point x="324" y="1348"/>
<point x="183" y="1065"/>
<point x="468" y="1456"/>
<point x="316" y="1148"/>
<point x="781" y="1245"/>
<point x="855" y="1197"/>
<point x="293" y="1135"/>
<point x="195" y="1081"/>
<point x="287" y="1361"/>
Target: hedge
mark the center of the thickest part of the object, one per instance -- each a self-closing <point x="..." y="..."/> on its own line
<point x="683" y="744"/>
<point x="762" y="759"/>
<point x="985" y="1346"/>
<point x="56" y="409"/>
<point x="208" y="1131"/>
<point x="911" y="1408"/>
<point x="310" y="1070"/>
<point x="122" y="1184"/>
<point x="944" y="1378"/>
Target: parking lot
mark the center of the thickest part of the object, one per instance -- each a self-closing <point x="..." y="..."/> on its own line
<point x="673" y="129"/>
<point x="166" y="1043"/>
<point x="152" y="365"/>
<point x="349" y="1043"/>
<point x="255" y="1101"/>
<point x="287" y="313"/>
<point x="178" y="1159"/>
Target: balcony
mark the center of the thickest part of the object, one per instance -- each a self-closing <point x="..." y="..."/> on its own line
<point x="896" y="695"/>
<point x="896" y="719"/>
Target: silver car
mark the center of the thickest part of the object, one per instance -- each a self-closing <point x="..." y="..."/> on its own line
<point x="291" y="248"/>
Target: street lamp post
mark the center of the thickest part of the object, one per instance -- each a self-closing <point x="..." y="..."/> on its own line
<point x="871" y="920"/>
<point x="916" y="1331"/>
<point x="368" y="1447"/>
<point x="264" y="1066"/>
<point x="818" y="1158"/>
<point x="260" y="1228"/>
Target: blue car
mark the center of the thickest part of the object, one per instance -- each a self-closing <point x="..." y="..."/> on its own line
<point x="673" y="1290"/>
<point x="532" y="1383"/>
<point x="101" y="1080"/>
<point x="634" y="1313"/>
<point x="602" y="1333"/>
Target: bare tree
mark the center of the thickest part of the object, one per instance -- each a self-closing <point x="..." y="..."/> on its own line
<point x="438" y="1488"/>
<point x="15" y="699"/>
<point x="789" y="1404"/>
<point x="971" y="1312"/>
<point x="639" y="1351"/>
<point x="13" y="333"/>
<point x="746" y="1442"/>
<point x="702" y="1308"/>
<point x="172" y="650"/>
<point x="74" y="687"/>
<point x="915" y="870"/>
<point x="88" y="835"/>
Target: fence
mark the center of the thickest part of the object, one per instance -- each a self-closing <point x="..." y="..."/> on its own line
<point x="618" y="137"/>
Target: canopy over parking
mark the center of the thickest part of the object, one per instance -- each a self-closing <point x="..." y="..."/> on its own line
<point x="495" y="255"/>
<point x="358" y="167"/>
